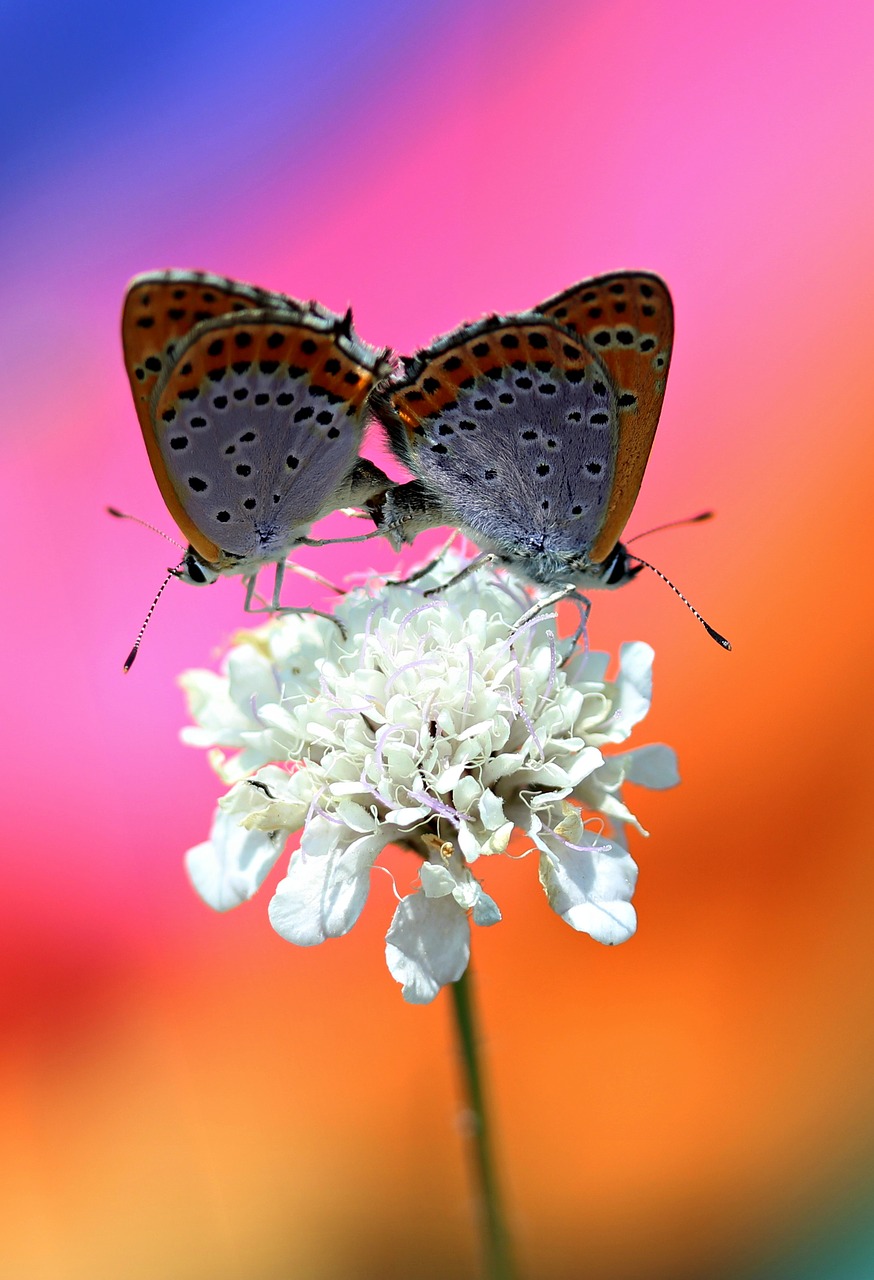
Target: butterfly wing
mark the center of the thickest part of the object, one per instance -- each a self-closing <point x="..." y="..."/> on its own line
<point x="510" y="424"/>
<point x="161" y="308"/>
<point x="257" y="424"/>
<point x="626" y="317"/>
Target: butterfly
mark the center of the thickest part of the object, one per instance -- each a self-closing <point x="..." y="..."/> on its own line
<point x="252" y="407"/>
<point x="531" y="432"/>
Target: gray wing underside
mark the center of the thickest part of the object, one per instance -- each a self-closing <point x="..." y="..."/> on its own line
<point x="523" y="466"/>
<point x="256" y="458"/>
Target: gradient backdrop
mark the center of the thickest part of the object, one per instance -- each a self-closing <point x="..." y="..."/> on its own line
<point x="186" y="1096"/>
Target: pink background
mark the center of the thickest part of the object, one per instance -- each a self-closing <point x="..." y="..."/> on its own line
<point x="187" y="1096"/>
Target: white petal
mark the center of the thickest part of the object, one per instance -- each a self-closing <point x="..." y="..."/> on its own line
<point x="591" y="889"/>
<point x="220" y="721"/>
<point x="350" y="788"/>
<point x="635" y="684"/>
<point x="408" y="817"/>
<point x="483" y="727"/>
<point x="466" y="794"/>
<point x="230" y="866"/>
<point x="498" y="840"/>
<point x="485" y="910"/>
<point x="542" y="799"/>
<point x="323" y="834"/>
<point x="468" y="843"/>
<point x="284" y="727"/>
<point x="355" y="816"/>
<point x="613" y="807"/>
<point x="251" y="679"/>
<point x="587" y="668"/>
<point x="654" y="766"/>
<point x="324" y="893"/>
<point x="449" y="776"/>
<point x="491" y="810"/>
<point x="437" y="880"/>
<point x="588" y="760"/>
<point x="427" y="946"/>
<point x="500" y="766"/>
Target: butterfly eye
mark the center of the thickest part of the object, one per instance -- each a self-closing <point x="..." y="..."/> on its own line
<point x="618" y="570"/>
<point x="194" y="571"/>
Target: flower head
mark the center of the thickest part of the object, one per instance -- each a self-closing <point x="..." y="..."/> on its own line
<point x="433" y="725"/>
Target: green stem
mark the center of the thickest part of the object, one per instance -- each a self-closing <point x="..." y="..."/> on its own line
<point x="495" y="1239"/>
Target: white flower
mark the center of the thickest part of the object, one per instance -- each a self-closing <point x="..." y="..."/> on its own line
<point x="432" y="725"/>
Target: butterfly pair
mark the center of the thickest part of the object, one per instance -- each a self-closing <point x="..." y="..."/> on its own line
<point x="529" y="432"/>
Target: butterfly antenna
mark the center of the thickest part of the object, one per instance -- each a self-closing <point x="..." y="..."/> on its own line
<point x="672" y="524"/>
<point x="123" y="515"/>
<point x="706" y="625"/>
<point x="131" y="657"/>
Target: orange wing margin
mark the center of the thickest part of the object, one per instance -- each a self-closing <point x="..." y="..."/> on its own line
<point x="627" y="319"/>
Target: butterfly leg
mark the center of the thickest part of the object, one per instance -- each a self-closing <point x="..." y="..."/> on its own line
<point x="583" y="604"/>
<point x="332" y="542"/>
<point x="584" y="607"/>
<point x="276" y="607"/>
<point x="425" y="568"/>
<point x="303" y="572"/>
<point x="363" y="483"/>
<point x="484" y="558"/>
<point x="264" y="607"/>
<point x="250" y="595"/>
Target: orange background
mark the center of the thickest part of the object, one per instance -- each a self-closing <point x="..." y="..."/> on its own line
<point x="185" y="1095"/>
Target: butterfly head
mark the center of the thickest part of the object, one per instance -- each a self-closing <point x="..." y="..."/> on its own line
<point x="617" y="569"/>
<point x="196" y="571"/>
<point x="552" y="568"/>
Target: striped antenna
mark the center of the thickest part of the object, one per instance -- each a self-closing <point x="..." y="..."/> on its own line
<point x="664" y="577"/>
<point x="131" y="657"/>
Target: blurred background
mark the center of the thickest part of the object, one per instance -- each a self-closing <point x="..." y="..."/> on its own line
<point x="184" y="1095"/>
